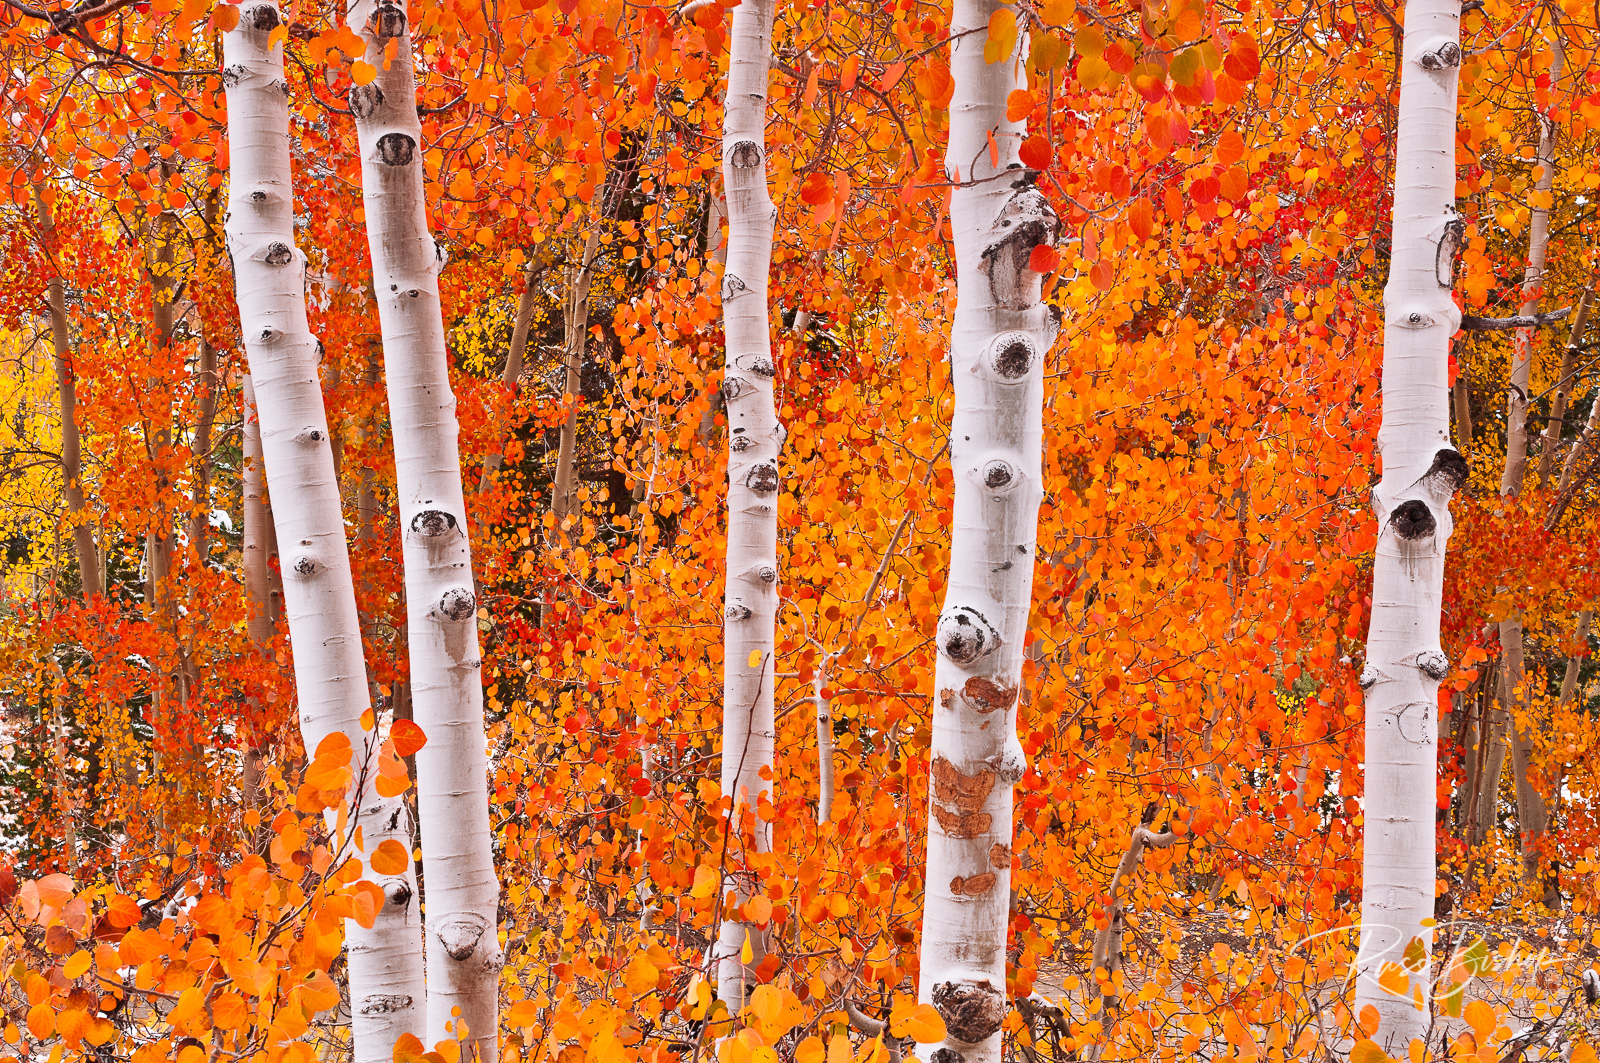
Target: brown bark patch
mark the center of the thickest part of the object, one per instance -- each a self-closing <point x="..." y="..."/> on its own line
<point x="999" y="855"/>
<point x="947" y="698"/>
<point x="973" y="885"/>
<point x="986" y="696"/>
<point x="962" y="827"/>
<point x="972" y="1011"/>
<point x="965" y="793"/>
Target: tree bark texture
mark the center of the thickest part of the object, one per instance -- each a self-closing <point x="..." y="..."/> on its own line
<point x="755" y="439"/>
<point x="463" y="941"/>
<point x="1420" y="472"/>
<point x="998" y="342"/>
<point x="386" y="980"/>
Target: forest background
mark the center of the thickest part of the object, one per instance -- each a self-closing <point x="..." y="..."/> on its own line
<point x="1221" y="173"/>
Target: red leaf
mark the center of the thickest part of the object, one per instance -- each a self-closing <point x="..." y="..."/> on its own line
<point x="407" y="737"/>
<point x="1043" y="258"/>
<point x="1035" y="153"/>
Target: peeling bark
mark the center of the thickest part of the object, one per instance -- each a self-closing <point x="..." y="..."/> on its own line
<point x="998" y="340"/>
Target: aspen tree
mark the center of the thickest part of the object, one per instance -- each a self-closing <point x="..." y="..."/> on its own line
<point x="998" y="341"/>
<point x="1421" y="470"/>
<point x="755" y="438"/>
<point x="463" y="941"/>
<point x="385" y="962"/>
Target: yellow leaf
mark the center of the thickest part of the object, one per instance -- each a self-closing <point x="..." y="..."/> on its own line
<point x="1002" y="41"/>
<point x="839" y="1050"/>
<point x="362" y="72"/>
<point x="767" y="1003"/>
<point x="76" y="964"/>
<point x="747" y="954"/>
<point x="640" y="975"/>
<point x="754" y="660"/>
<point x="1366" y="1050"/>
<point x="920" y="1022"/>
<point x="706" y="880"/>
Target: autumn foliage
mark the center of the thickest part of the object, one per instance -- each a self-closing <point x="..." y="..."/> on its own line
<point x="180" y="867"/>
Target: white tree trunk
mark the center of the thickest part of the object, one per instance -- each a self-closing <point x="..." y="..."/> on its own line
<point x="1420" y="472"/>
<point x="999" y="339"/>
<point x="386" y="986"/>
<point x="463" y="941"/>
<point x="754" y="440"/>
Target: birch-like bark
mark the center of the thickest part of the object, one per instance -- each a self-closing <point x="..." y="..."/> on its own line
<point x="1107" y="955"/>
<point x="1569" y="680"/>
<point x="255" y="561"/>
<point x="385" y="962"/>
<point x="755" y="438"/>
<point x="824" y="709"/>
<point x="88" y="554"/>
<point x="463" y="940"/>
<point x="998" y="342"/>
<point x="1420" y="472"/>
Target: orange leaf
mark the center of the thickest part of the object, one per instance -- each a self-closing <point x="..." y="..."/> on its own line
<point x="994" y="150"/>
<point x="407" y="1048"/>
<point x="758" y="910"/>
<point x="1367" y="1051"/>
<point x="1002" y="41"/>
<point x="1019" y="104"/>
<point x="225" y="17"/>
<point x="407" y="737"/>
<point x="1141" y="219"/>
<point x="389" y="858"/>
<point x="1230" y="147"/>
<point x="332" y="744"/>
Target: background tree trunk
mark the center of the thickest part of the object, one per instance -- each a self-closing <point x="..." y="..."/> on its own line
<point x="998" y="341"/>
<point x="1532" y="816"/>
<point x="564" y="495"/>
<point x="385" y="963"/>
<point x="446" y="686"/>
<point x="91" y="577"/>
<point x="1420" y="472"/>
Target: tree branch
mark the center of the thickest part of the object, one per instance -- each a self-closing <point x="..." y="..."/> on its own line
<point x="1501" y="324"/>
